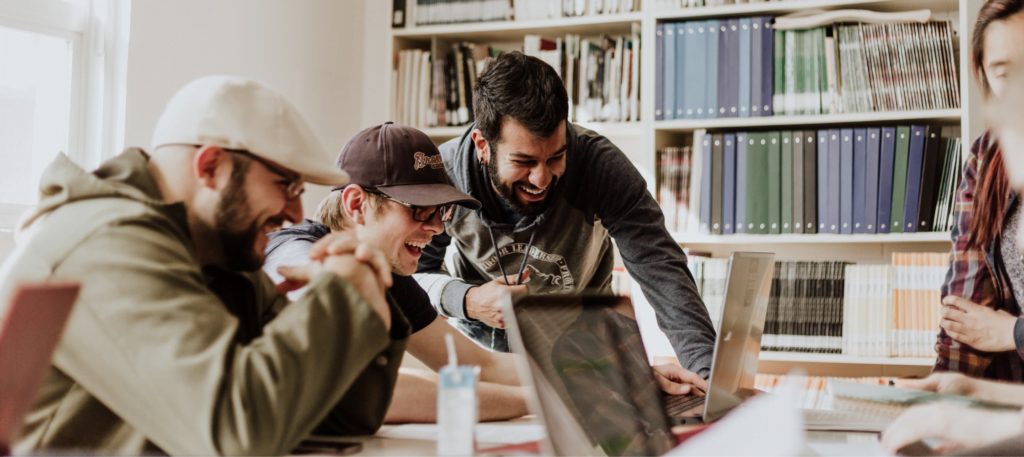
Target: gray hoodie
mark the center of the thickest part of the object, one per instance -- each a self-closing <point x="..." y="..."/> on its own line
<point x="600" y="197"/>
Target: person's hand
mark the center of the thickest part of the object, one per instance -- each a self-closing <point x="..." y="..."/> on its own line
<point x="482" y="301"/>
<point x="978" y="326"/>
<point x="339" y="243"/>
<point x="297" y="276"/>
<point x="364" y="279"/>
<point x="676" y="380"/>
<point x="943" y="383"/>
<point x="361" y="265"/>
<point x="958" y="427"/>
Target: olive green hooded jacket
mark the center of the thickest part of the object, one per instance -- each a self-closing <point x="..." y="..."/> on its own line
<point x="152" y="361"/>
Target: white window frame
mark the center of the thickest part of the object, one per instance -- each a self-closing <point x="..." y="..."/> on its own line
<point x="98" y="33"/>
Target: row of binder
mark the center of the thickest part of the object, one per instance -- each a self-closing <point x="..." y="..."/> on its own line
<point x="843" y="181"/>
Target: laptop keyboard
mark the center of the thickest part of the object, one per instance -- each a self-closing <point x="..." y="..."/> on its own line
<point x="678" y="404"/>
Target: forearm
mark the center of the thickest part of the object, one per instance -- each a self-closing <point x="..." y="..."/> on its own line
<point x="500" y="369"/>
<point x="415" y="399"/>
<point x="998" y="392"/>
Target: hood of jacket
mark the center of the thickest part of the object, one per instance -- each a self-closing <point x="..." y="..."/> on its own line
<point x="125" y="176"/>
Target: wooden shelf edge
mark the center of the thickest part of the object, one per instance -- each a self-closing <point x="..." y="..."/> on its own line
<point x="844" y="359"/>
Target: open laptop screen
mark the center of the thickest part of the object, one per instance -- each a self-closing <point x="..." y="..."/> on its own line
<point x="587" y="352"/>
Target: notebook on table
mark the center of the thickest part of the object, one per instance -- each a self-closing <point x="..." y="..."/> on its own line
<point x="30" y="328"/>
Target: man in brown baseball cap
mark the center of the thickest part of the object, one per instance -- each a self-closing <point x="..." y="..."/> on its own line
<point x="396" y="201"/>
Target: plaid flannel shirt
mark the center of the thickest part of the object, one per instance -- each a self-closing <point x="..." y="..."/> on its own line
<point x="973" y="276"/>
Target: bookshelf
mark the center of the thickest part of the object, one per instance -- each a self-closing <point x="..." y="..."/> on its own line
<point x="639" y="140"/>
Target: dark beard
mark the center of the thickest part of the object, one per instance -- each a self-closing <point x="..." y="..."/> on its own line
<point x="507" y="191"/>
<point x="239" y="246"/>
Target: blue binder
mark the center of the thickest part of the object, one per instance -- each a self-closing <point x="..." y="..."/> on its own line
<point x="768" y="64"/>
<point x="659" y="72"/>
<point x="860" y="162"/>
<point x="755" y="66"/>
<point x="712" y="65"/>
<point x="728" y="97"/>
<point x="741" y="183"/>
<point x="846" y="181"/>
<point x="729" y="185"/>
<point x="913" y="194"/>
<point x="874" y="142"/>
<point x="822" y="147"/>
<point x="695" y="90"/>
<point x="835" y="180"/>
<point x="683" y="78"/>
<point x="705" y="185"/>
<point x="669" y="103"/>
<point x="744" y="68"/>
<point x="887" y="157"/>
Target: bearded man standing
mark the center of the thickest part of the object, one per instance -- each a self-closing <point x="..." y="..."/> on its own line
<point x="554" y="196"/>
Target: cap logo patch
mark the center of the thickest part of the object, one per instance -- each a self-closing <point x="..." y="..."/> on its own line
<point x="423" y="161"/>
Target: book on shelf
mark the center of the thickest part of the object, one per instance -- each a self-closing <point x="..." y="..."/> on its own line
<point x="602" y="78"/>
<point x="835" y="307"/>
<point x="715" y="64"/>
<point x="898" y="179"/>
<point x="893" y="310"/>
<point x="432" y="12"/>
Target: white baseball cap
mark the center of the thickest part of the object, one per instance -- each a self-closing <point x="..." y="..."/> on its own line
<point x="237" y="113"/>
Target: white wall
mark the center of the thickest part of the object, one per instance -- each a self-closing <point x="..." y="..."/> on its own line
<point x="310" y="50"/>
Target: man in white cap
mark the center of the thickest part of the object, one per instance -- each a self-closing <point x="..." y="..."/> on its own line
<point x="178" y="343"/>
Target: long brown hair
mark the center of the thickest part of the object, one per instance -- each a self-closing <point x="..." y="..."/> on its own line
<point x="993" y="188"/>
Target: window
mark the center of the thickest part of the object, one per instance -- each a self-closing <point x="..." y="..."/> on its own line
<point x="62" y="73"/>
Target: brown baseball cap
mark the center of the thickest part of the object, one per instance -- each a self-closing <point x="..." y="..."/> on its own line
<point x="402" y="163"/>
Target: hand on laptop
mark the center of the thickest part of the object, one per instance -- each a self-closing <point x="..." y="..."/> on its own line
<point x="676" y="380"/>
<point x="959" y="427"/>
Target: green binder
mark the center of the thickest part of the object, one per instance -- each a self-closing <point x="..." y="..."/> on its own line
<point x="754" y="171"/>
<point x="774" y="186"/>
<point x="899" y="177"/>
<point x="757" y="183"/>
<point x="787" y="182"/>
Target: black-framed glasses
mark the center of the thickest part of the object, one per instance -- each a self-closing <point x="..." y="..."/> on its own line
<point x="421" y="213"/>
<point x="294" y="185"/>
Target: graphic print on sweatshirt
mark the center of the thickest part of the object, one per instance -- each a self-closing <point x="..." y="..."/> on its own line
<point x="549" y="273"/>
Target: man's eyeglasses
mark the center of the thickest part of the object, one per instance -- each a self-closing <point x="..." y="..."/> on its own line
<point x="421" y="213"/>
<point x="294" y="185"/>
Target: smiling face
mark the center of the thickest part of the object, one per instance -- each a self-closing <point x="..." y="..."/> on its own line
<point x="524" y="169"/>
<point x="252" y="204"/>
<point x="389" y="227"/>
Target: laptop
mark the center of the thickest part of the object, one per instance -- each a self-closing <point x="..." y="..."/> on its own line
<point x="596" y="392"/>
<point x="30" y="328"/>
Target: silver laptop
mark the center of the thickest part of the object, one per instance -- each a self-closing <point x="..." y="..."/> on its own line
<point x="595" y="389"/>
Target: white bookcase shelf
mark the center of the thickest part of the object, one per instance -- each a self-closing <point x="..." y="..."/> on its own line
<point x="514" y="30"/>
<point x="789" y="6"/>
<point x="824" y="238"/>
<point x="950" y="115"/>
<point x="640" y="140"/>
<point x="845" y="359"/>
